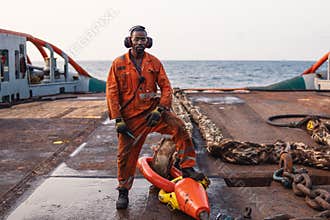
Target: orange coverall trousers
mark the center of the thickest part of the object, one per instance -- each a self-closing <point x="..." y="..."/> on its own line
<point x="128" y="155"/>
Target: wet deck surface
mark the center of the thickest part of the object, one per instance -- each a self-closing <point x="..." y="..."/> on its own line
<point x="83" y="185"/>
<point x="35" y="136"/>
<point x="242" y="116"/>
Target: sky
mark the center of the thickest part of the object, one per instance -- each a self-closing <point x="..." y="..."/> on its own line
<point x="181" y="30"/>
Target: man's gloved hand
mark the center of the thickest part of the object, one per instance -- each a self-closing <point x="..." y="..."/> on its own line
<point x="154" y="116"/>
<point x="121" y="126"/>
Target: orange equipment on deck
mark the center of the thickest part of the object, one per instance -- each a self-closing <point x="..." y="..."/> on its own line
<point x="189" y="195"/>
<point x="192" y="197"/>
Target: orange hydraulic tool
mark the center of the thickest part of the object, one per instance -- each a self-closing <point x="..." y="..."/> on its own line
<point x="184" y="194"/>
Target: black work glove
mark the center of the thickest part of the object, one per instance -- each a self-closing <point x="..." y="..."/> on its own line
<point x="154" y="116"/>
<point x="121" y="126"/>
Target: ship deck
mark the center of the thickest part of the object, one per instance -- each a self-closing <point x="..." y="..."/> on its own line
<point x="58" y="158"/>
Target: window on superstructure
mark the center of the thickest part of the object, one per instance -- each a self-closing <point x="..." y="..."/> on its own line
<point x="22" y="62"/>
<point x="16" y="64"/>
<point x="4" y="66"/>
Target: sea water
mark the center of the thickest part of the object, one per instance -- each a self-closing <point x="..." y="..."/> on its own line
<point x="217" y="74"/>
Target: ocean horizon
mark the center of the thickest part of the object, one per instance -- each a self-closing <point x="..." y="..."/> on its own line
<point x="214" y="73"/>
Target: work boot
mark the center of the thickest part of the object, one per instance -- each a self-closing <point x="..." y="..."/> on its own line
<point x="122" y="201"/>
<point x="192" y="173"/>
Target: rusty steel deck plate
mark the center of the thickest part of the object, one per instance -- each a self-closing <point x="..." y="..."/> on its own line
<point x="83" y="183"/>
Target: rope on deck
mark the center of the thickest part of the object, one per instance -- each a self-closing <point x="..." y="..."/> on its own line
<point x="249" y="153"/>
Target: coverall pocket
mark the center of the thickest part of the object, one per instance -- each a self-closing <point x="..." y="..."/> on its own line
<point x="125" y="82"/>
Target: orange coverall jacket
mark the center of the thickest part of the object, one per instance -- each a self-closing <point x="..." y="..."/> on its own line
<point x="123" y="80"/>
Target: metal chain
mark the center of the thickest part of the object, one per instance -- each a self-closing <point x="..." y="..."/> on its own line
<point x="253" y="153"/>
<point x="318" y="130"/>
<point x="301" y="184"/>
<point x="320" y="216"/>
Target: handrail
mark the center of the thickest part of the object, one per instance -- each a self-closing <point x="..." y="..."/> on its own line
<point x="317" y="64"/>
<point x="41" y="43"/>
<point x="328" y="74"/>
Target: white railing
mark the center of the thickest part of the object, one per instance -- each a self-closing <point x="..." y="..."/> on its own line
<point x="328" y="74"/>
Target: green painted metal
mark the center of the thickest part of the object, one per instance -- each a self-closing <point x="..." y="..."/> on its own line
<point x="296" y="83"/>
<point x="96" y="85"/>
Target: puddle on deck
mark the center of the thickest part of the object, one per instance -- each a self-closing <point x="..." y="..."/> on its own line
<point x="224" y="100"/>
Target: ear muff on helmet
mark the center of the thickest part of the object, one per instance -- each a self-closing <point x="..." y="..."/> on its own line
<point x="128" y="42"/>
<point x="149" y="42"/>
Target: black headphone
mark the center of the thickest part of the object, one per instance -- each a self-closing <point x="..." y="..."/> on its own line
<point x="128" y="41"/>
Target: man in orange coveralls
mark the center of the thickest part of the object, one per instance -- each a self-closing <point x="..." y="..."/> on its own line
<point x="132" y="101"/>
